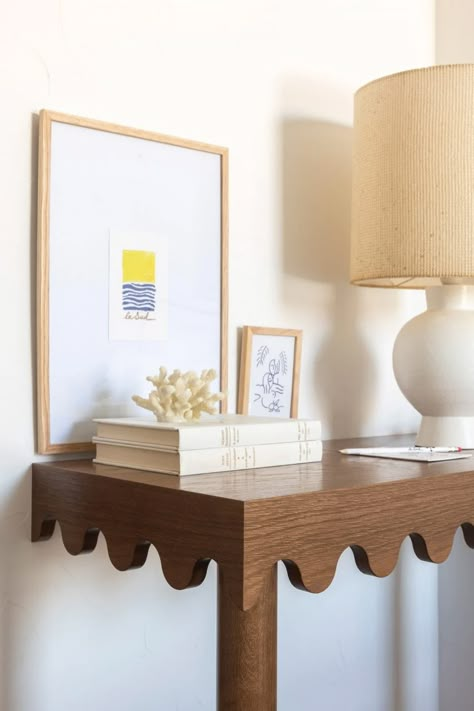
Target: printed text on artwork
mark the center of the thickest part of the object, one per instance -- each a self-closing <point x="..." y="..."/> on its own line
<point x="137" y="316"/>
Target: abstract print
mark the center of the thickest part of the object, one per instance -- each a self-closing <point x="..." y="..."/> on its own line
<point x="138" y="281"/>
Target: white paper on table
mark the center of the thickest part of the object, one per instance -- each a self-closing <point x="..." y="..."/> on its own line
<point x="417" y="456"/>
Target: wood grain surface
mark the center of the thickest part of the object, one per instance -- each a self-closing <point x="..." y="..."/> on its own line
<point x="305" y="515"/>
<point x="247" y="650"/>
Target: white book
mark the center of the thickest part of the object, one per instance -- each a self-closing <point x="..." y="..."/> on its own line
<point x="209" y="432"/>
<point x="204" y="461"/>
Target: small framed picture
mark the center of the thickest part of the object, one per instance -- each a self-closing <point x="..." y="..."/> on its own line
<point x="269" y="372"/>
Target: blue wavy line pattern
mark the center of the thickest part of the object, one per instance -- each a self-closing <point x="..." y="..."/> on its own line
<point x="138" y="297"/>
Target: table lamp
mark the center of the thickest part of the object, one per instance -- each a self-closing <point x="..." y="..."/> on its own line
<point x="413" y="228"/>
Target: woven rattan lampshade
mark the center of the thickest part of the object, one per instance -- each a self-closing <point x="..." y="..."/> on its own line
<point x="413" y="181"/>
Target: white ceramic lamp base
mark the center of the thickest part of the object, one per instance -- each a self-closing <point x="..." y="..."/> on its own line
<point x="433" y="361"/>
<point x="457" y="430"/>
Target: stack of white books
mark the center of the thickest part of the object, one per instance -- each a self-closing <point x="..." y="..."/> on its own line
<point x="218" y="443"/>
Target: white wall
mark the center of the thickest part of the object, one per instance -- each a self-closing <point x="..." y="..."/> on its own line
<point x="454" y="27"/>
<point x="273" y="81"/>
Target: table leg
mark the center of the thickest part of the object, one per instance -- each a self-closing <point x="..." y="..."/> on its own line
<point x="247" y="650"/>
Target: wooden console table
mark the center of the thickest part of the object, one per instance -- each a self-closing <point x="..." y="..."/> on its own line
<point x="247" y="521"/>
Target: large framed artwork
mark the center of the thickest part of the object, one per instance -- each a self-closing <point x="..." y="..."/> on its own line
<point x="269" y="371"/>
<point x="132" y="269"/>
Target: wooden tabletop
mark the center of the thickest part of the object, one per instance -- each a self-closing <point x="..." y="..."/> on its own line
<point x="305" y="515"/>
<point x="336" y="471"/>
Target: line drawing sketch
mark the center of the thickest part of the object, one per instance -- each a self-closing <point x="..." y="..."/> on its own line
<point x="269" y="391"/>
<point x="269" y="372"/>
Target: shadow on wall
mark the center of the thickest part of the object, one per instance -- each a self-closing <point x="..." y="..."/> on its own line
<point x="316" y="199"/>
<point x="16" y="628"/>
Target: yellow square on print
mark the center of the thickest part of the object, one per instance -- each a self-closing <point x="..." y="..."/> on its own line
<point x="138" y="266"/>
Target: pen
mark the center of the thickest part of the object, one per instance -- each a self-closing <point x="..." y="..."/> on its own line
<point x="389" y="450"/>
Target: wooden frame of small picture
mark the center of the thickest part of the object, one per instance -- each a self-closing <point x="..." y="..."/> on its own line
<point x="269" y="371"/>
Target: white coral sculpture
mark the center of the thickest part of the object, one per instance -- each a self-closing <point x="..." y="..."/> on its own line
<point x="180" y="397"/>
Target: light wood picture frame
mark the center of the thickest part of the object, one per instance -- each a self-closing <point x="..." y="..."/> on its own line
<point x="122" y="208"/>
<point x="270" y="365"/>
